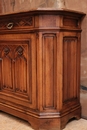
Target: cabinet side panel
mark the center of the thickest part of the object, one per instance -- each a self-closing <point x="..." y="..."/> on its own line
<point x="70" y="69"/>
<point x="49" y="73"/>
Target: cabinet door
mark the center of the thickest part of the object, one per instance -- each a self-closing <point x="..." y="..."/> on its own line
<point x="16" y="72"/>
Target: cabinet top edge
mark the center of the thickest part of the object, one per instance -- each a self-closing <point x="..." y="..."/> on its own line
<point x="46" y="11"/>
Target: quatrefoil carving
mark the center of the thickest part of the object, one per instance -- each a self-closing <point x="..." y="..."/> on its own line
<point x="6" y="50"/>
<point x="20" y="50"/>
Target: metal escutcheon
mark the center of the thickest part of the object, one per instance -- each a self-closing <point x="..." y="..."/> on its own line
<point x="10" y="26"/>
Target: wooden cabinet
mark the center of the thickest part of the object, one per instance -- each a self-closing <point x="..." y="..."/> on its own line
<point x="40" y="66"/>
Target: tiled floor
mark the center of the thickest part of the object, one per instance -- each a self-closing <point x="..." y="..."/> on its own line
<point x="8" y="122"/>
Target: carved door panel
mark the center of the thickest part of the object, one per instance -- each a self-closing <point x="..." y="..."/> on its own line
<point x="70" y="68"/>
<point x="16" y="71"/>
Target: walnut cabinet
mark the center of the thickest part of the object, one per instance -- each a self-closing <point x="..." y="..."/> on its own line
<point x="40" y="66"/>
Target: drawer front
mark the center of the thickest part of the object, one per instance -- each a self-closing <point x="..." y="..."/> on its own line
<point x="13" y="23"/>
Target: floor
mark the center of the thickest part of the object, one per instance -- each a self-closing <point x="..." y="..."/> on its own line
<point x="83" y="99"/>
<point x="8" y="122"/>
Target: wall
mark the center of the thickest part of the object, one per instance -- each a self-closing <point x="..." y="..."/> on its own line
<point x="81" y="6"/>
<point x="23" y="5"/>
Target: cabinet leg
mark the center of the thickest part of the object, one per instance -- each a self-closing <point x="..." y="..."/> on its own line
<point x="44" y="124"/>
<point x="53" y="123"/>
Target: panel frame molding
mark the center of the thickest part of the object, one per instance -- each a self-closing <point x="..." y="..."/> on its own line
<point x="27" y="95"/>
<point x="53" y="105"/>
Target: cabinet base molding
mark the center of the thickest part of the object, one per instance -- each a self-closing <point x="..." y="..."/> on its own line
<point x="44" y="122"/>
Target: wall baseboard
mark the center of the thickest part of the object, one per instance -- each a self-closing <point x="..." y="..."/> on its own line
<point x="83" y="87"/>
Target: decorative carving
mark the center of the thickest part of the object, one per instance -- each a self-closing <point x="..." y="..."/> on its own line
<point x="69" y="39"/>
<point x="17" y="23"/>
<point x="18" y="54"/>
<point x="37" y="35"/>
<point x="19" y="90"/>
<point x="6" y="51"/>
<point x="24" y="22"/>
<point x="20" y="50"/>
<point x="7" y="87"/>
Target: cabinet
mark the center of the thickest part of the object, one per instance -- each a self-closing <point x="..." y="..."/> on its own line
<point x="40" y="66"/>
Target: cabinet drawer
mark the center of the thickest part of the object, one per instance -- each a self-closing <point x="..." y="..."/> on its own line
<point x="13" y="23"/>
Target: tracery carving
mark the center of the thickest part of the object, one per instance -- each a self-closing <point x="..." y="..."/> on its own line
<point x="20" y="50"/>
<point x="6" y="50"/>
<point x="70" y="39"/>
<point x="13" y="55"/>
<point x="24" y="22"/>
